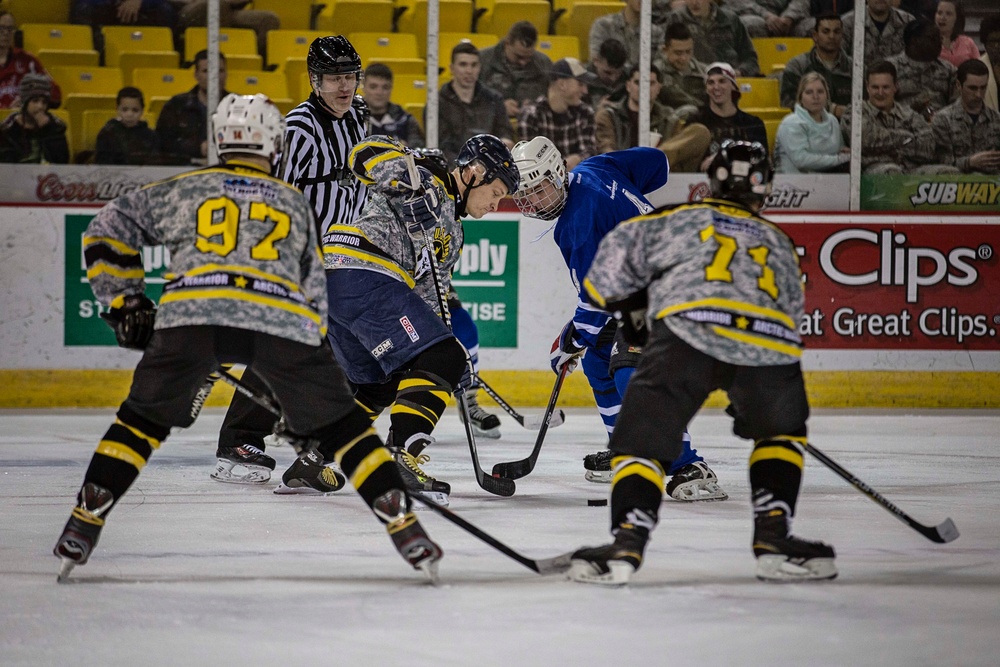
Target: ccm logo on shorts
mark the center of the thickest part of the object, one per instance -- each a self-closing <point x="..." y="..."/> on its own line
<point x="382" y="348"/>
<point x="410" y="330"/>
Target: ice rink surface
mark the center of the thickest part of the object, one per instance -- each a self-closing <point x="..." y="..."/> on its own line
<point x="190" y="571"/>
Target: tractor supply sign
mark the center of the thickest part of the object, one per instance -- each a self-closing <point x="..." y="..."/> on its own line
<point x="486" y="279"/>
<point x="931" y="194"/>
<point x="899" y="286"/>
<point x="82" y="323"/>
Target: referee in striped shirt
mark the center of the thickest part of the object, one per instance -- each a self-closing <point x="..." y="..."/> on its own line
<point x="321" y="133"/>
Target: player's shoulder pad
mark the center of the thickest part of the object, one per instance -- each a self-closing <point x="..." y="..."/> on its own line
<point x="370" y="152"/>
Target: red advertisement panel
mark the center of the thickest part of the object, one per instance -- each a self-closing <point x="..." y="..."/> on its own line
<point x="873" y="285"/>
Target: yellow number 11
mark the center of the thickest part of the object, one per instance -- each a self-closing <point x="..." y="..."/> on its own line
<point x="718" y="268"/>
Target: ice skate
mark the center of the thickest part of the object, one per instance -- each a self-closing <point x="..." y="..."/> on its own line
<point x="598" y="467"/>
<point x="782" y="557"/>
<point x="612" y="564"/>
<point x="407" y="534"/>
<point x="83" y="529"/>
<point x="694" y="482"/>
<point x="484" y="424"/>
<point x="251" y="465"/>
<point x="308" y="476"/>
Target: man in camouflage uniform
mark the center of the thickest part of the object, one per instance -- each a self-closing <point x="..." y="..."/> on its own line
<point x="719" y="35"/>
<point x="774" y="18"/>
<point x="714" y="294"/>
<point x="246" y="286"/>
<point x="926" y="82"/>
<point x="883" y="31"/>
<point x="683" y="74"/>
<point x="894" y="138"/>
<point x="967" y="133"/>
<point x="827" y="57"/>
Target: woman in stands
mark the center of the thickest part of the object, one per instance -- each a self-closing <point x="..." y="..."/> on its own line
<point x="956" y="48"/>
<point x="809" y="138"/>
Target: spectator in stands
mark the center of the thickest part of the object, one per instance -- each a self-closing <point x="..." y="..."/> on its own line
<point x="883" y="31"/>
<point x="386" y="117"/>
<point x="827" y="57"/>
<point x="127" y="139"/>
<point x="97" y="13"/>
<point x="561" y="114"/>
<point x="617" y="126"/>
<point x="989" y="35"/>
<point x="809" y="138"/>
<point x="515" y="68"/>
<point x="894" y="138"/>
<point x="956" y="47"/>
<point x="773" y="18"/>
<point x="723" y="117"/>
<point x="15" y="63"/>
<point x="33" y="135"/>
<point x="683" y="74"/>
<point x="467" y="106"/>
<point x="232" y="14"/>
<point x="608" y="65"/>
<point x="926" y="82"/>
<point x="624" y="26"/>
<point x="182" y="125"/>
<point x="967" y="132"/>
<point x="719" y="35"/>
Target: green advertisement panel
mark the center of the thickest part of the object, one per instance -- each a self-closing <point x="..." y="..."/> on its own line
<point x="486" y="279"/>
<point x="82" y="324"/>
<point x="969" y="193"/>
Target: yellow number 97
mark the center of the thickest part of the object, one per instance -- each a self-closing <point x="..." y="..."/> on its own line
<point x="218" y="220"/>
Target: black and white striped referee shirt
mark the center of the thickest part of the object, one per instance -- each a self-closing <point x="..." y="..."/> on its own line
<point x="317" y="145"/>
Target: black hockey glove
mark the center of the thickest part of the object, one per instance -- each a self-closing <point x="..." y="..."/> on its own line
<point x="631" y="315"/>
<point x="421" y="212"/>
<point x="132" y="317"/>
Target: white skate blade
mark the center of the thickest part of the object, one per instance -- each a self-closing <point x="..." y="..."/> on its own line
<point x="599" y="476"/>
<point x="282" y="490"/>
<point x="65" y="568"/>
<point x="779" y="569"/>
<point x="254" y="474"/>
<point x="436" y="497"/>
<point x="697" y="490"/>
<point x="583" y="571"/>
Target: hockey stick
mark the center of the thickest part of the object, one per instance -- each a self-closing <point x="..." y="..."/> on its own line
<point x="542" y="566"/>
<point x="946" y="531"/>
<point x="522" y="468"/>
<point x="496" y="485"/>
<point x="260" y="399"/>
<point x="531" y="422"/>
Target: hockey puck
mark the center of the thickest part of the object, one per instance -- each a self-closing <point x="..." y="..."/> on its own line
<point x="597" y="502"/>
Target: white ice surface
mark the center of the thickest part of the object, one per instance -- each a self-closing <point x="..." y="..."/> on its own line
<point x="190" y="571"/>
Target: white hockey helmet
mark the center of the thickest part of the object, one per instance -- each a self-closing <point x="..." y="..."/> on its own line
<point x="543" y="189"/>
<point x="249" y="124"/>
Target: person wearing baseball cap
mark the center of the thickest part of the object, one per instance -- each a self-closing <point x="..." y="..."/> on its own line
<point x="561" y="114"/>
<point x="33" y="135"/>
<point x="722" y="116"/>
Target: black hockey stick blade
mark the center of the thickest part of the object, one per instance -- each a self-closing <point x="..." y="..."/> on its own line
<point x="542" y="566"/>
<point x="498" y="486"/>
<point x="946" y="531"/>
<point x="522" y="468"/>
<point x="530" y="422"/>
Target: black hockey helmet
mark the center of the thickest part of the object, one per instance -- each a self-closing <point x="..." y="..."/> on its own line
<point x="495" y="157"/>
<point x="333" y="55"/>
<point x="741" y="171"/>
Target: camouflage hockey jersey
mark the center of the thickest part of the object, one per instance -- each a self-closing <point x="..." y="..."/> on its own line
<point x="724" y="280"/>
<point x="379" y="240"/>
<point x="243" y="252"/>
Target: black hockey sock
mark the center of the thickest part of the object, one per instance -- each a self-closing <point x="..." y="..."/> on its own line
<point x="636" y="494"/>
<point x="775" y="476"/>
<point x="423" y="394"/>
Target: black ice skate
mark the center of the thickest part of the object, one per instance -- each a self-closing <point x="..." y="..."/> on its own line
<point x="407" y="534"/>
<point x="409" y="460"/>
<point x="598" y="467"/>
<point x="694" y="482"/>
<point x="484" y="424"/>
<point x="251" y="464"/>
<point x="783" y="557"/>
<point x="308" y="476"/>
<point x="83" y="529"/>
<point x="612" y="564"/>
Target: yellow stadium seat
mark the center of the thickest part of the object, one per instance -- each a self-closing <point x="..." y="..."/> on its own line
<point x="293" y="14"/>
<point x="285" y="44"/>
<point x="772" y="133"/>
<point x="557" y="47"/>
<point x="162" y="82"/>
<point x="342" y="17"/>
<point x="378" y="45"/>
<point x="58" y="36"/>
<point x="448" y="40"/>
<point x="417" y="111"/>
<point x="576" y="21"/>
<point x="297" y="78"/>
<point x="409" y="89"/>
<point x="454" y="16"/>
<point x="272" y="84"/>
<point x="131" y="61"/>
<point x="774" y="52"/>
<point x="400" y="65"/>
<point x="766" y="113"/>
<point x="88" y="80"/>
<point x="498" y="18"/>
<point x="62" y="58"/>
<point x="40" y="11"/>
<point x="759" y="93"/>
<point x="129" y="39"/>
<point x="93" y="121"/>
<point x="238" y="44"/>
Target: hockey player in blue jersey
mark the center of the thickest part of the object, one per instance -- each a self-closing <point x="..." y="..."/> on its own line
<point x="587" y="203"/>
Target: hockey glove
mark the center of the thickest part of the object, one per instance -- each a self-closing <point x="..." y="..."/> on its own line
<point x="565" y="350"/>
<point x="631" y="315"/>
<point x="421" y="212"/>
<point x="132" y="317"/>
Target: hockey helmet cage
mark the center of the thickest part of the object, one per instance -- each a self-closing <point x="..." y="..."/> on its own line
<point x="249" y="124"/>
<point x="539" y="162"/>
<point x="495" y="157"/>
<point x="742" y="172"/>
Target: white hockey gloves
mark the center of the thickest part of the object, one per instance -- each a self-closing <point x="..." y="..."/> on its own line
<point x="566" y="351"/>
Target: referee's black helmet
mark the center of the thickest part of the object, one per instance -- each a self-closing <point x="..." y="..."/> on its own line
<point x="333" y="55"/>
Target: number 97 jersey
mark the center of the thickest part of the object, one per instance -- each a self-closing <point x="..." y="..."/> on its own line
<point x="722" y="278"/>
<point x="243" y="252"/>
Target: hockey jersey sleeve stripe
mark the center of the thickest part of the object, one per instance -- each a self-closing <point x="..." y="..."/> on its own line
<point x="728" y="304"/>
<point x="750" y="339"/>
<point x="99" y="253"/>
<point x="374" y="259"/>
<point x="239" y="295"/>
<point x="103" y="268"/>
<point x="121" y="248"/>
